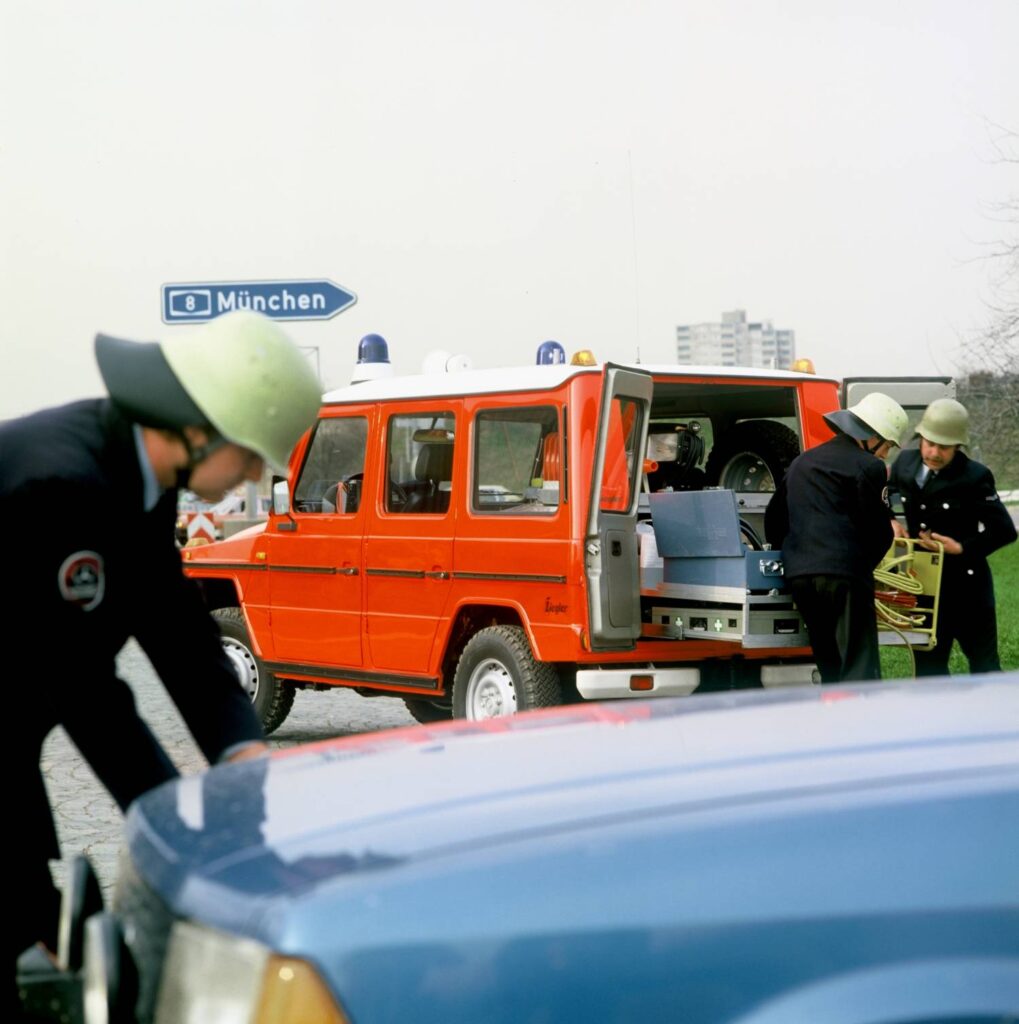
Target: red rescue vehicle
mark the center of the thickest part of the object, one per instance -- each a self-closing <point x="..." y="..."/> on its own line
<point x="482" y="542"/>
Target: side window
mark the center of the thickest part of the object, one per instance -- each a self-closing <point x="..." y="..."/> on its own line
<point x="518" y="464"/>
<point x="333" y="471"/>
<point x="622" y="461"/>
<point x="419" y="463"/>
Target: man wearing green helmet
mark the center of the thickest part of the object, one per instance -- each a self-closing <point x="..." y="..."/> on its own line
<point x="831" y="520"/>
<point x="949" y="498"/>
<point x="93" y="486"/>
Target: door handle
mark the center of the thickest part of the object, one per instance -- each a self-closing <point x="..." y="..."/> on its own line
<point x="437" y="574"/>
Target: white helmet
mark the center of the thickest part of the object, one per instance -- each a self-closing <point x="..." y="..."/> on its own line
<point x="238" y="374"/>
<point x="875" y="413"/>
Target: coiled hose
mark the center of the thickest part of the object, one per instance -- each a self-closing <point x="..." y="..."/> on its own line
<point x="896" y="589"/>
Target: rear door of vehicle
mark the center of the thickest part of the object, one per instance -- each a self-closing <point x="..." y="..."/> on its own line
<point x="409" y="540"/>
<point x="914" y="394"/>
<point x="611" y="561"/>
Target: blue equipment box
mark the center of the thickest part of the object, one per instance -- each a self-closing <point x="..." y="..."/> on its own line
<point x="711" y="583"/>
<point x="698" y="536"/>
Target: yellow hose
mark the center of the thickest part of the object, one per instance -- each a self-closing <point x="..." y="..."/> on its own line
<point x="904" y="582"/>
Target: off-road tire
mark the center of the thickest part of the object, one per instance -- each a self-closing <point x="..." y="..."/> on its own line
<point x="272" y="698"/>
<point x="497" y="674"/>
<point x="752" y="456"/>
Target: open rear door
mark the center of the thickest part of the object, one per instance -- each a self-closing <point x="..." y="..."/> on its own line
<point x="610" y="545"/>
<point x="914" y="394"/>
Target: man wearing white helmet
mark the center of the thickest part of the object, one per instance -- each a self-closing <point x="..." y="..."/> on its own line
<point x="831" y="519"/>
<point x="92" y="489"/>
<point x="949" y="498"/>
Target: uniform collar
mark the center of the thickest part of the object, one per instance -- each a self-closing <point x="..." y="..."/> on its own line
<point x="956" y="467"/>
<point x="151" y="491"/>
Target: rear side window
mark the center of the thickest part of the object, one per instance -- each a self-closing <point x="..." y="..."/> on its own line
<point x="518" y="461"/>
<point x="330" y="480"/>
<point x="419" y="474"/>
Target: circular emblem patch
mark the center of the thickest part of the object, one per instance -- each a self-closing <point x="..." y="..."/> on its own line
<point x="82" y="580"/>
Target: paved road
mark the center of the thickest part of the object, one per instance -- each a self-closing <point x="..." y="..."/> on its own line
<point x="89" y="822"/>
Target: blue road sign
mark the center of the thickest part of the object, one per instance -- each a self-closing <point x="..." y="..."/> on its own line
<point x="281" y="300"/>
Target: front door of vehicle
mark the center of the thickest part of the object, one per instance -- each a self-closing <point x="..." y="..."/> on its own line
<point x="314" y="555"/>
<point x="409" y="545"/>
<point x="610" y="545"/>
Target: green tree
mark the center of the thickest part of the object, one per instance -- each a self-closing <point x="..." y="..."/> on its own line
<point x="989" y="378"/>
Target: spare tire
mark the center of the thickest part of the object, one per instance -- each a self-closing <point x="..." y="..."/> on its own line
<point x="752" y="456"/>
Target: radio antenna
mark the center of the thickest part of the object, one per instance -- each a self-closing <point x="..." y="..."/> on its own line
<point x="636" y="278"/>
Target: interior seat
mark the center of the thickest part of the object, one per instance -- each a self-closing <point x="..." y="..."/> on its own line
<point x="434" y="467"/>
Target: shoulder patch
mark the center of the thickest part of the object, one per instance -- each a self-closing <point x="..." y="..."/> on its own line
<point x="82" y="579"/>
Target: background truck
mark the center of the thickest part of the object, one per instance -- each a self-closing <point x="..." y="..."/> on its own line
<point x="483" y="542"/>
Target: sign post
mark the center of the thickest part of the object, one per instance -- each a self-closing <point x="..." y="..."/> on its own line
<point x="281" y="300"/>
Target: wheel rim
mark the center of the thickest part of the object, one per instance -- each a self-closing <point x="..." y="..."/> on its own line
<point x="244" y="664"/>
<point x="747" y="472"/>
<point x="491" y="691"/>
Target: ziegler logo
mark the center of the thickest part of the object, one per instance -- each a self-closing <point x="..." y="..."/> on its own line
<point x="555" y="607"/>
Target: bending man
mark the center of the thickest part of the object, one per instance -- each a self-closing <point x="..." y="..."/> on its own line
<point x="831" y="519"/>
<point x="93" y="485"/>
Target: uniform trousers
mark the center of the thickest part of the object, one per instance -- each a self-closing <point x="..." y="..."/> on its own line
<point x="976" y="629"/>
<point x="100" y="718"/>
<point x="838" y="612"/>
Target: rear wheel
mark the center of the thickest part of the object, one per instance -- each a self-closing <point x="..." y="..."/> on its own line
<point x="498" y="675"/>
<point x="752" y="456"/>
<point x="272" y="698"/>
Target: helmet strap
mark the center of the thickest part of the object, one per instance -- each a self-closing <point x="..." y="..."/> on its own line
<point x="198" y="454"/>
<point x="202" y="452"/>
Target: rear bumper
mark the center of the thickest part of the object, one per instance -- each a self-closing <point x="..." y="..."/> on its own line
<point x="640" y="681"/>
<point x="612" y="683"/>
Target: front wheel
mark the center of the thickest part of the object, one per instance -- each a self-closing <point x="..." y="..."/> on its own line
<point x="498" y="675"/>
<point x="272" y="699"/>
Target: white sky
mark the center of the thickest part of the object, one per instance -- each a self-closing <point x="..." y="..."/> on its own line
<point x="464" y="168"/>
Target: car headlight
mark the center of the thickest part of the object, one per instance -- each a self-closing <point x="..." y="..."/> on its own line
<point x="211" y="976"/>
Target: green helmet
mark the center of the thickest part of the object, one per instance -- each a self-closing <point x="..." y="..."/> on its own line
<point x="238" y="374"/>
<point x="945" y="421"/>
<point x="875" y="413"/>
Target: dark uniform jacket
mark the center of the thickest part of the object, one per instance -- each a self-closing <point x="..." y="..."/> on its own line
<point x="88" y="568"/>
<point x="829" y="515"/>
<point x="961" y="502"/>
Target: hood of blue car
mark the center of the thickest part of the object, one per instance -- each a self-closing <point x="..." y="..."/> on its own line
<point x="303" y="818"/>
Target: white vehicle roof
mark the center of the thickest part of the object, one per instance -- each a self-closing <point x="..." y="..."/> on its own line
<point x="529" y="378"/>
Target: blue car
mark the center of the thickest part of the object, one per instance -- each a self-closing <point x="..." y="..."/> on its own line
<point x="823" y="855"/>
